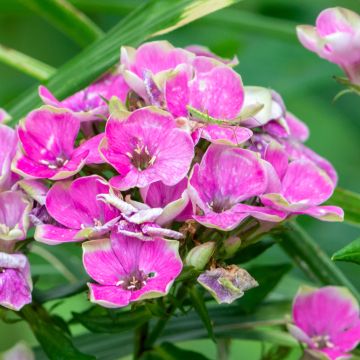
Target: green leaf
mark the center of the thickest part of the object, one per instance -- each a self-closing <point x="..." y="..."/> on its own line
<point x="229" y="322"/>
<point x="268" y="276"/>
<point x="350" y="253"/>
<point x="310" y="258"/>
<point x="50" y="333"/>
<point x="67" y="19"/>
<point x="168" y="351"/>
<point x="350" y="202"/>
<point x="25" y="63"/>
<point x="198" y="302"/>
<point x="101" y="320"/>
<point x="153" y="18"/>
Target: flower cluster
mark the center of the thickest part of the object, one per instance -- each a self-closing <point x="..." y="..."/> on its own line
<point x="140" y="162"/>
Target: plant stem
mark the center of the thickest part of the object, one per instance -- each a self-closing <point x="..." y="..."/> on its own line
<point x="223" y="348"/>
<point x="140" y="337"/>
<point x="160" y="325"/>
<point x="25" y="63"/>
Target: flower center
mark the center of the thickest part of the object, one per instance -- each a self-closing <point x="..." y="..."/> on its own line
<point x="141" y="157"/>
<point x="135" y="281"/>
<point x="59" y="162"/>
<point x="220" y="205"/>
<point x="322" y="341"/>
<point x="2" y="270"/>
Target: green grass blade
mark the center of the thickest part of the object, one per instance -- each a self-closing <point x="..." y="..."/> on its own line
<point x="25" y="64"/>
<point x="310" y="258"/>
<point x="153" y="18"/>
<point x="67" y="19"/>
<point x="350" y="202"/>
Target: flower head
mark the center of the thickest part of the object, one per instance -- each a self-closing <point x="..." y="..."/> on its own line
<point x="127" y="269"/>
<point x="47" y="138"/>
<point x="327" y="320"/>
<point x="88" y="104"/>
<point x="225" y="178"/>
<point x="336" y="39"/>
<point x="147" y="147"/>
<point x="15" y="281"/>
<point x="78" y="211"/>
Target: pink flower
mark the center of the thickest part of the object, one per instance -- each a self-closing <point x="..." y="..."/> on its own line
<point x="78" y="211"/>
<point x="327" y="320"/>
<point x="147" y="147"/>
<point x="199" y="50"/>
<point x="88" y="104"/>
<point x="140" y="66"/>
<point x="4" y="116"/>
<point x="14" y="216"/>
<point x="15" y="281"/>
<point x="48" y="151"/>
<point x="225" y="178"/>
<point x="174" y="200"/>
<point x="127" y="269"/>
<point x="303" y="186"/>
<point x="336" y="38"/>
<point x="8" y="145"/>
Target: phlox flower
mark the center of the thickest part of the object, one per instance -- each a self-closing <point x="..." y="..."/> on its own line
<point x="146" y="147"/>
<point x="225" y="179"/>
<point x="89" y="104"/>
<point x="326" y="320"/>
<point x="79" y="213"/>
<point x="127" y="269"/>
<point x="336" y="38"/>
<point x="15" y="281"/>
<point x="200" y="50"/>
<point x="47" y="138"/>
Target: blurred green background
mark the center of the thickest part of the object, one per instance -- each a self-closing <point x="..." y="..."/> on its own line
<point x="262" y="34"/>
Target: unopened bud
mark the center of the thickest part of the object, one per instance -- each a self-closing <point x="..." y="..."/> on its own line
<point x="200" y="255"/>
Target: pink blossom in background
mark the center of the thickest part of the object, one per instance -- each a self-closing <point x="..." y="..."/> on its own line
<point x="79" y="214"/>
<point x="15" y="207"/>
<point x="336" y="38"/>
<point x="88" y="104"/>
<point x="127" y="269"/>
<point x="147" y="147"/>
<point x="47" y="138"/>
<point x="15" y="281"/>
<point x="225" y="178"/>
<point x="8" y="146"/>
<point x="326" y="320"/>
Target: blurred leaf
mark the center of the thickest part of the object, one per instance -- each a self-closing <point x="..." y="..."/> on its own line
<point x="25" y="63"/>
<point x="153" y="18"/>
<point x="188" y="273"/>
<point x="229" y="322"/>
<point x="101" y="320"/>
<point x="310" y="257"/>
<point x="350" y="202"/>
<point x="198" y="302"/>
<point x="59" y="292"/>
<point x="277" y="353"/>
<point x="350" y="253"/>
<point x="268" y="276"/>
<point x="50" y="333"/>
<point x="168" y="351"/>
<point x="251" y="252"/>
<point x="67" y="19"/>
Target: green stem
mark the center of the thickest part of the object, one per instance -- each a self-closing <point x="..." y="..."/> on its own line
<point x="162" y="322"/>
<point x="310" y="258"/>
<point x="223" y="348"/>
<point x="25" y="63"/>
<point x="141" y="334"/>
<point x="67" y="18"/>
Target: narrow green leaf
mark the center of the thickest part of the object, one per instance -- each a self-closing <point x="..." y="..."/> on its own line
<point x="168" y="351"/>
<point x="350" y="202"/>
<point x="268" y="276"/>
<point x="55" y="342"/>
<point x="101" y="320"/>
<point x="153" y="18"/>
<point x="67" y="19"/>
<point x="199" y="305"/>
<point x="25" y="64"/>
<point x="310" y="257"/>
<point x="350" y="253"/>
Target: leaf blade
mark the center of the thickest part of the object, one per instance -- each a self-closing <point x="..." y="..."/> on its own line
<point x="350" y="253"/>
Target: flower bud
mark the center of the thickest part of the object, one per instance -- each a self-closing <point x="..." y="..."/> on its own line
<point x="200" y="255"/>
